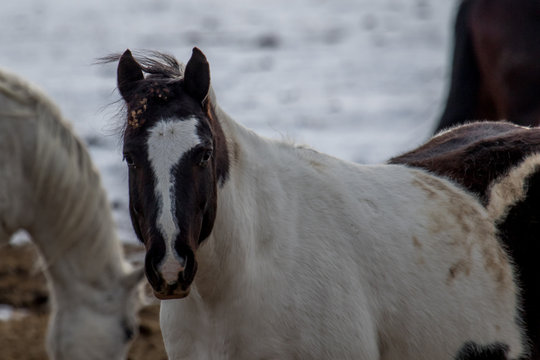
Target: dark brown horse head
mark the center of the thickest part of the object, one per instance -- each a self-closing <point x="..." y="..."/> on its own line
<point x="177" y="157"/>
<point x="495" y="68"/>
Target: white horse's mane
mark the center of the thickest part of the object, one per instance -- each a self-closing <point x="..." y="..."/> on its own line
<point x="63" y="177"/>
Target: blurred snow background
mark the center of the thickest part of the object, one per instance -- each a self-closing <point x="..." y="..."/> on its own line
<point x="362" y="80"/>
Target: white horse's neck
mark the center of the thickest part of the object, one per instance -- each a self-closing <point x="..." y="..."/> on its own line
<point x="73" y="225"/>
<point x="239" y="228"/>
<point x="87" y="255"/>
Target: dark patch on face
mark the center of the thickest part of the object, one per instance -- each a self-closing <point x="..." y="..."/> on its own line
<point x="220" y="143"/>
<point x="472" y="351"/>
<point x="143" y="212"/>
<point x="196" y="197"/>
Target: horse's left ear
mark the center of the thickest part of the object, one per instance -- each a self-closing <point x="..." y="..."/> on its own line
<point x="197" y="76"/>
<point x="129" y="71"/>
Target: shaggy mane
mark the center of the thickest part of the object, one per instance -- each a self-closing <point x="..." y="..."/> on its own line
<point x="63" y="176"/>
<point x="152" y="62"/>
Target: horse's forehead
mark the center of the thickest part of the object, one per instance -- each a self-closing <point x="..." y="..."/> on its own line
<point x="158" y="99"/>
<point x="169" y="139"/>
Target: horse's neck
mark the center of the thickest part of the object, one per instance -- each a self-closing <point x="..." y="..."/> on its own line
<point x="240" y="222"/>
<point x="54" y="190"/>
<point x="78" y="260"/>
<point x="87" y="256"/>
<point x="73" y="227"/>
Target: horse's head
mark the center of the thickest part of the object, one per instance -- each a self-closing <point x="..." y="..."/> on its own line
<point x="176" y="153"/>
<point x="99" y="322"/>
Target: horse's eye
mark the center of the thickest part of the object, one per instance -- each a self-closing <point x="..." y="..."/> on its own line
<point x="129" y="334"/>
<point x="207" y="155"/>
<point x="129" y="160"/>
<point x="129" y="331"/>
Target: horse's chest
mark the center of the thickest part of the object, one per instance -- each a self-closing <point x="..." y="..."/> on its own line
<point x="191" y="331"/>
<point x="239" y="333"/>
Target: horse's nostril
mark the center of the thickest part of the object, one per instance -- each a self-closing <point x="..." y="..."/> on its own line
<point x="182" y="260"/>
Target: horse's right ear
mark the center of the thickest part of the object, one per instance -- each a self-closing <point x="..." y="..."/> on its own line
<point x="128" y="73"/>
<point x="197" y="76"/>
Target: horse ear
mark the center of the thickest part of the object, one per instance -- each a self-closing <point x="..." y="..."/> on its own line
<point x="133" y="278"/>
<point x="129" y="71"/>
<point x="197" y="76"/>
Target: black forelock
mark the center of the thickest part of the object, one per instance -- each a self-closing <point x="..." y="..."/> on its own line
<point x="151" y="62"/>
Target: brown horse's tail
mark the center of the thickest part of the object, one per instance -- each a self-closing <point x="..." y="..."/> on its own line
<point x="514" y="203"/>
<point x="465" y="78"/>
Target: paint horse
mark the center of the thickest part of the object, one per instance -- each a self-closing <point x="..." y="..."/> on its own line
<point x="50" y="187"/>
<point x="479" y="156"/>
<point x="262" y="249"/>
<point x="495" y="68"/>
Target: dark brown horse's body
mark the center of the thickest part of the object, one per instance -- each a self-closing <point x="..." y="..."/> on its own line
<point x="496" y="66"/>
<point x="477" y="154"/>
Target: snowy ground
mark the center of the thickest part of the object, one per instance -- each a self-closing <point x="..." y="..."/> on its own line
<point x="359" y="79"/>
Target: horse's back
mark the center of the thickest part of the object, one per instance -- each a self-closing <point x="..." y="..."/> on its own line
<point x="416" y="252"/>
<point x="441" y="244"/>
<point x="476" y="154"/>
<point x="442" y="276"/>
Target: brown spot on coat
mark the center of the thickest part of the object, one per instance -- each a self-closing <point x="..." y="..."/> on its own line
<point x="420" y="184"/>
<point x="316" y="165"/>
<point x="460" y="267"/>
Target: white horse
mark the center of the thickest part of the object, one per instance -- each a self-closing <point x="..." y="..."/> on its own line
<point x="49" y="187"/>
<point x="264" y="250"/>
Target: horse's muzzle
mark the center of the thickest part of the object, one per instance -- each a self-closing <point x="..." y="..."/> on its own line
<point x="169" y="290"/>
<point x="169" y="293"/>
<point x="171" y="279"/>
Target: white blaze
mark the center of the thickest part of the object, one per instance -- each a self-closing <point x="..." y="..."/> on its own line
<point x="168" y="141"/>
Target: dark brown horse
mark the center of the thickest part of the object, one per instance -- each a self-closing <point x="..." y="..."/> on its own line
<point x="496" y="63"/>
<point x="476" y="155"/>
